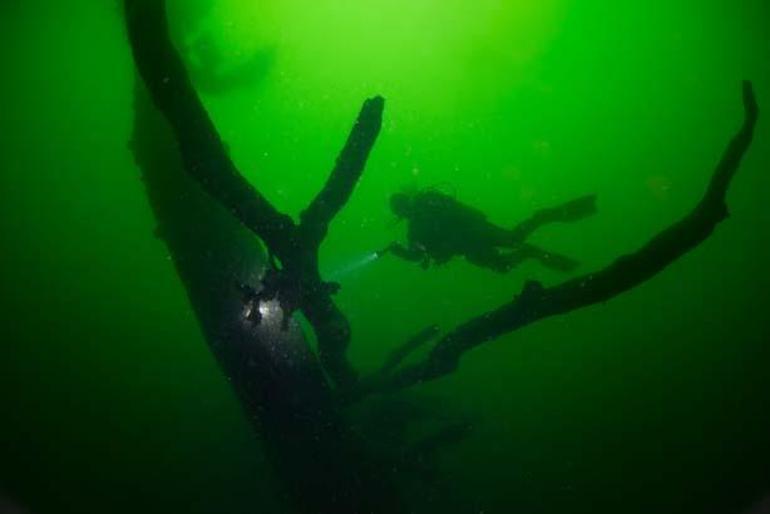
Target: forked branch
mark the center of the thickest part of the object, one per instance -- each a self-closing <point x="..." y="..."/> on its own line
<point x="299" y="284"/>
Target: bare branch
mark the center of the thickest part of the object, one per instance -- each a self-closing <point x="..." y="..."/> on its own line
<point x="537" y="302"/>
<point x="398" y="355"/>
<point x="202" y="150"/>
<point x="347" y="170"/>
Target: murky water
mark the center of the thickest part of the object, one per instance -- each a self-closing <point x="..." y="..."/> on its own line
<point x="655" y="401"/>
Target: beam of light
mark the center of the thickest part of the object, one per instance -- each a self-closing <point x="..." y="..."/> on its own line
<point x="353" y="266"/>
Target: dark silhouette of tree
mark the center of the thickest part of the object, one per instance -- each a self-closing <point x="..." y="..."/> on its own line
<point x="208" y="215"/>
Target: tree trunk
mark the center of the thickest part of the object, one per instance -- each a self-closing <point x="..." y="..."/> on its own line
<point x="277" y="377"/>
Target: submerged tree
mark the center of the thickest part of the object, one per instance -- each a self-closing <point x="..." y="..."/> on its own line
<point x="208" y="215"/>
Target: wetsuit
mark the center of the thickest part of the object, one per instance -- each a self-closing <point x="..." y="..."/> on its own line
<point x="440" y="228"/>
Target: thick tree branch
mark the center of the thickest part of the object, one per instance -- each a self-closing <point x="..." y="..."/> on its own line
<point x="347" y="170"/>
<point x="536" y="302"/>
<point x="202" y="150"/>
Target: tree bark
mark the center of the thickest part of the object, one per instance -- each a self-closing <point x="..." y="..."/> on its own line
<point x="322" y="465"/>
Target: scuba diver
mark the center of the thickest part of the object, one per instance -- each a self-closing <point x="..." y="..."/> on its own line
<point x="440" y="228"/>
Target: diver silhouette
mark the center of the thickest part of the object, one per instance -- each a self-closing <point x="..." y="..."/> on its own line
<point x="440" y="228"/>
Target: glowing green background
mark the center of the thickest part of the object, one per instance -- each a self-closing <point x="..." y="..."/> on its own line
<point x="656" y="401"/>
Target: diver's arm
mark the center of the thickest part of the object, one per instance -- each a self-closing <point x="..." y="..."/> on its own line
<point x="410" y="253"/>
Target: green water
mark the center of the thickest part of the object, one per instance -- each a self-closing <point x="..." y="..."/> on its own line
<point x="656" y="401"/>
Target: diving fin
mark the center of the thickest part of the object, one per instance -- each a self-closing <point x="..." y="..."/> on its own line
<point x="575" y="210"/>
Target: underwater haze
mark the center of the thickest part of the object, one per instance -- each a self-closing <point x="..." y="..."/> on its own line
<point x="655" y="401"/>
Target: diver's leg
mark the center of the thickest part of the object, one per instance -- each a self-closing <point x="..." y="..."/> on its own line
<point x="547" y="258"/>
<point x="503" y="262"/>
<point x="574" y="210"/>
<point x="495" y="260"/>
